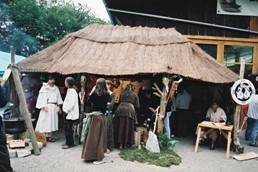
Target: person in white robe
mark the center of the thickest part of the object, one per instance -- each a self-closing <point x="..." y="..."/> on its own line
<point x="49" y="101"/>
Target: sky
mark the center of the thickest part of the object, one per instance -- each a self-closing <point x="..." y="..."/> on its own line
<point x="97" y="7"/>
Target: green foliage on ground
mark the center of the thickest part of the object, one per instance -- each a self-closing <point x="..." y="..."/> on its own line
<point x="167" y="143"/>
<point x="165" y="158"/>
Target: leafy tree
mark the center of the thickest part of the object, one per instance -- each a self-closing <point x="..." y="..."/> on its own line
<point x="32" y="25"/>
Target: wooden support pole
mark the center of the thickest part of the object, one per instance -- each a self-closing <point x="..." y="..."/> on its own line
<point x="238" y="108"/>
<point x="163" y="105"/>
<point x="13" y="99"/>
<point x="236" y="124"/>
<point x="165" y="97"/>
<point x="82" y="93"/>
<point x="24" y="106"/>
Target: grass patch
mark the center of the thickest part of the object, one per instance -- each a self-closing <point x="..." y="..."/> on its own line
<point x="165" y="158"/>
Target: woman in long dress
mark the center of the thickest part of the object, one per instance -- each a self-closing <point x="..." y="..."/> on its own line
<point x="124" y="119"/>
<point x="95" y="144"/>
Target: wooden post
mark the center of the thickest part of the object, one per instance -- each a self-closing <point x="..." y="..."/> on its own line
<point x="24" y="106"/>
<point x="82" y="94"/>
<point x="238" y="108"/>
<point x="165" y="97"/>
<point x="13" y="99"/>
<point x="163" y="104"/>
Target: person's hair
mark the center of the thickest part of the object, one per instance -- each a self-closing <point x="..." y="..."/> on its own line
<point x="51" y="78"/>
<point x="215" y="102"/>
<point x="128" y="90"/>
<point x="129" y="87"/>
<point x="70" y="82"/>
<point x="101" y="87"/>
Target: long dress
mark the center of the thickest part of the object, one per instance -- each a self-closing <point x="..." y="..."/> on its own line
<point x="125" y="118"/>
<point x="50" y="97"/>
<point x="95" y="144"/>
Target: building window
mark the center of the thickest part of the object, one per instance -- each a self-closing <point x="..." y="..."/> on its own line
<point x="233" y="56"/>
<point x="211" y="49"/>
<point x="230" y="51"/>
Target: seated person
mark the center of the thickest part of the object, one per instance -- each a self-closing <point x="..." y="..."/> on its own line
<point x="217" y="115"/>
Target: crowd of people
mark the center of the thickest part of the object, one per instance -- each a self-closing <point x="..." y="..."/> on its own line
<point x="106" y="127"/>
<point x="112" y="125"/>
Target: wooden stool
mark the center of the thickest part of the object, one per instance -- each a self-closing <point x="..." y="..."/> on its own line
<point x="141" y="133"/>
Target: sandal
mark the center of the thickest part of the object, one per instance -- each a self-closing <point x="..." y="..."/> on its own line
<point x="67" y="146"/>
<point x="108" y="151"/>
<point x="49" y="139"/>
<point x="99" y="162"/>
<point x="212" y="147"/>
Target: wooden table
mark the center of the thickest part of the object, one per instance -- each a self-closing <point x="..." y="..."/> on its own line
<point x="226" y="131"/>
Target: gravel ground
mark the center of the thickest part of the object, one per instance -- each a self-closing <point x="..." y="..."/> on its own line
<point x="54" y="159"/>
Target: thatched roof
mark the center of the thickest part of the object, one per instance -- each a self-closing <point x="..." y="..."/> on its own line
<point x="123" y="50"/>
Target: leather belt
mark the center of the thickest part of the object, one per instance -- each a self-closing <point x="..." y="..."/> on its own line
<point x="52" y="103"/>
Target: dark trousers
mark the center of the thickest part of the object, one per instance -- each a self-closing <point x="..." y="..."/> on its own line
<point x="110" y="137"/>
<point x="68" y="128"/>
<point x="181" y="121"/>
<point x="250" y="125"/>
<point x="5" y="164"/>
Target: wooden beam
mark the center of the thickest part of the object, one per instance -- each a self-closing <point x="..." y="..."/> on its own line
<point x="255" y="59"/>
<point x="163" y="104"/>
<point x="25" y="112"/>
<point x="13" y="98"/>
<point x="23" y="104"/>
<point x="238" y="108"/>
<point x="223" y="39"/>
<point x="220" y="54"/>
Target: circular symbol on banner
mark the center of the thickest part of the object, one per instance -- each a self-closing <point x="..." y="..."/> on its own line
<point x="242" y="91"/>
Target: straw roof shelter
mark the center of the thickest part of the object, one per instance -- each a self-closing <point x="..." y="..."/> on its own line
<point x="123" y="51"/>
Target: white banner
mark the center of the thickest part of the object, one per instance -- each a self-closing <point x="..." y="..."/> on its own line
<point x="242" y="91"/>
<point x="237" y="7"/>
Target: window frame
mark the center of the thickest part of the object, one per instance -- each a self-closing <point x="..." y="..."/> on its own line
<point x="221" y="42"/>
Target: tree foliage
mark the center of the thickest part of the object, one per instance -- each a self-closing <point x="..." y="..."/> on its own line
<point x="32" y="25"/>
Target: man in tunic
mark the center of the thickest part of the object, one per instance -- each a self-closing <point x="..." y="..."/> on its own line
<point x="252" y="126"/>
<point x="217" y="115"/>
<point x="49" y="101"/>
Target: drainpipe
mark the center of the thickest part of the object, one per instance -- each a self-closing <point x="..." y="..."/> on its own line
<point x="183" y="20"/>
